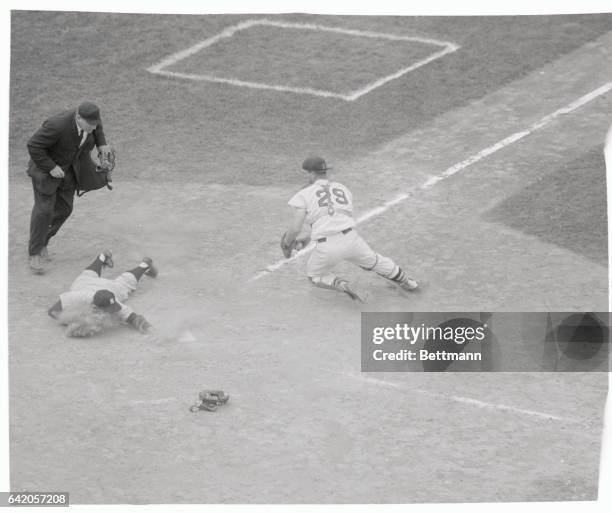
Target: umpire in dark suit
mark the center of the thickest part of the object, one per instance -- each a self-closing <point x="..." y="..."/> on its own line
<point x="57" y="150"/>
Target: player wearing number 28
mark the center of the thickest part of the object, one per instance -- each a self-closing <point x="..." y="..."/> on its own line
<point x="327" y="206"/>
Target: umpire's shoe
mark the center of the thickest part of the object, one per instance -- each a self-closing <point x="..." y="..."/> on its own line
<point x="44" y="255"/>
<point x="151" y="270"/>
<point x="36" y="265"/>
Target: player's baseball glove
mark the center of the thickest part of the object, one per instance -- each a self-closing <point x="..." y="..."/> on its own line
<point x="301" y="243"/>
<point x="287" y="248"/>
<point x="106" y="161"/>
<point x="210" y="400"/>
<point x="296" y="245"/>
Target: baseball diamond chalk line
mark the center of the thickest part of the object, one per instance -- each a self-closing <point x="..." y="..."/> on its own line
<point x="517" y="136"/>
<point x="158" y="68"/>
<point x="459" y="399"/>
<point x="154" y="401"/>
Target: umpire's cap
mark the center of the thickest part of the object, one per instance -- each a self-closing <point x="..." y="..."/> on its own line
<point x="89" y="112"/>
<point x="316" y="164"/>
<point x="106" y="301"/>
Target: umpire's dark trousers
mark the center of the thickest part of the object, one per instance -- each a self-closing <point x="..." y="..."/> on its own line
<point x="53" y="199"/>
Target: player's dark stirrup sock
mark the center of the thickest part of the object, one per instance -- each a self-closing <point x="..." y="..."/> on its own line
<point x="140" y="270"/>
<point x="97" y="265"/>
<point x="400" y="276"/>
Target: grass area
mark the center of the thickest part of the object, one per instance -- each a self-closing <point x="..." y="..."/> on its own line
<point x="213" y="133"/>
<point x="567" y="207"/>
<point x="334" y="62"/>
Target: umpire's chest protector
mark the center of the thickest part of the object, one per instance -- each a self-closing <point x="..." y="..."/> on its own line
<point x="88" y="178"/>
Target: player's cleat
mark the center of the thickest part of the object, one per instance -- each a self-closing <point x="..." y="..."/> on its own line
<point x="44" y="255"/>
<point x="343" y="286"/>
<point x="151" y="269"/>
<point x="108" y="258"/>
<point x="36" y="265"/>
<point x="403" y="281"/>
<point x="409" y="285"/>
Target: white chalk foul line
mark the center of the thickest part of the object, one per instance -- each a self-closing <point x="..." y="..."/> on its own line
<point x="153" y="401"/>
<point x="430" y="182"/>
<point x="460" y="399"/>
<point x="158" y="68"/>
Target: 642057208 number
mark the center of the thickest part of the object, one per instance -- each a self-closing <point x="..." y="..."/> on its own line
<point x="34" y="499"/>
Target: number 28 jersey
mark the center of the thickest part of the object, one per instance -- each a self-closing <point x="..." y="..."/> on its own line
<point x="329" y="207"/>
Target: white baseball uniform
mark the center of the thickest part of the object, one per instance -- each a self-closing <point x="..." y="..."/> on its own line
<point x="87" y="283"/>
<point x="329" y="211"/>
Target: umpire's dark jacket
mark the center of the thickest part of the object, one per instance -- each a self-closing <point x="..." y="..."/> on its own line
<point x="56" y="143"/>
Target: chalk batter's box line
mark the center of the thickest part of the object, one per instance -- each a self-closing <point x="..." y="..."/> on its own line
<point x="460" y="166"/>
<point x="158" y="68"/>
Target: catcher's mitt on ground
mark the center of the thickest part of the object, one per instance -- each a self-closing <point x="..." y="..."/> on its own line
<point x="210" y="400"/>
